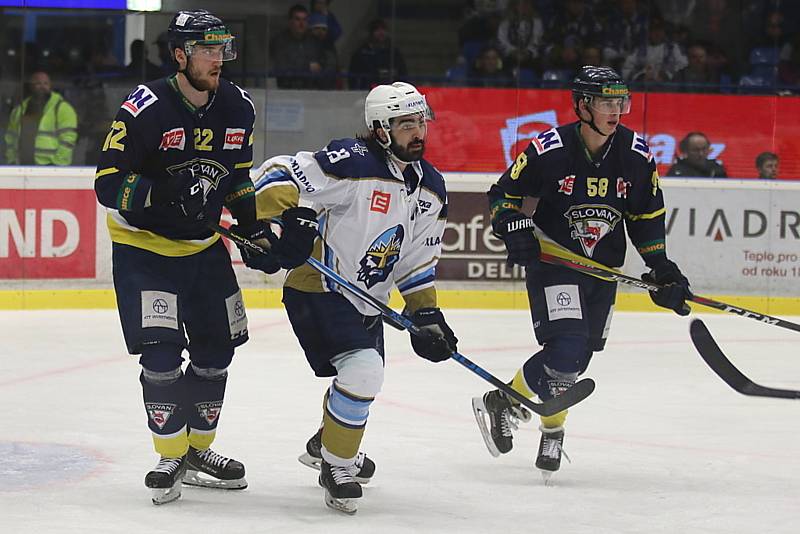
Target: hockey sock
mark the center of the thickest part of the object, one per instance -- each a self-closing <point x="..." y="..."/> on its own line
<point x="163" y="394"/>
<point x="344" y="421"/>
<point x="205" y="391"/>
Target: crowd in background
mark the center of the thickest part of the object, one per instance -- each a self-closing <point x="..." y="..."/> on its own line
<point x="701" y="46"/>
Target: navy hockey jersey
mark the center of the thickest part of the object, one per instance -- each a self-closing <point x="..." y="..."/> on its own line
<point x="157" y="132"/>
<point x="586" y="203"/>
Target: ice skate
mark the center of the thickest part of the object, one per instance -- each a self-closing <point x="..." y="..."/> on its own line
<point x="211" y="470"/>
<point x="165" y="479"/>
<point x="504" y="416"/>
<point x="363" y="468"/>
<point x="551" y="447"/>
<point x="341" y="488"/>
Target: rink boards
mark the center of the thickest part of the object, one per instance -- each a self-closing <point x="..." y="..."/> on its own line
<point x="737" y="240"/>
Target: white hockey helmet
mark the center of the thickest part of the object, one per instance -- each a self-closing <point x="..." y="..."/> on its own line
<point x="386" y="102"/>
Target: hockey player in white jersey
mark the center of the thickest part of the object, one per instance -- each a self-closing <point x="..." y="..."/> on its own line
<point x="381" y="210"/>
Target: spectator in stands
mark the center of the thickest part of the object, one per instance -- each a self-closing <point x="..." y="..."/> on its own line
<point x="377" y="60"/>
<point x="789" y="66"/>
<point x="658" y="60"/>
<point x="698" y="76"/>
<point x="591" y="55"/>
<point x="694" y="161"/>
<point x="767" y="165"/>
<point x="167" y="66"/>
<point x="520" y="34"/>
<point x="676" y="12"/>
<point x="488" y="70"/>
<point x="481" y="21"/>
<point x="719" y="22"/>
<point x="574" y="26"/>
<point x="625" y="32"/>
<point x="328" y="58"/>
<point x="42" y="130"/>
<point x="322" y="7"/>
<point x="140" y="68"/>
<point x="294" y="54"/>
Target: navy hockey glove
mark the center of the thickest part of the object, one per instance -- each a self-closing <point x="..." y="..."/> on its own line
<point x="439" y="341"/>
<point x="260" y="234"/>
<point x="676" y="287"/>
<point x="182" y="190"/>
<point x="297" y="239"/>
<point x="516" y="231"/>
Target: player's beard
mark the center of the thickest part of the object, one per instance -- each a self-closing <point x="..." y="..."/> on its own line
<point x="405" y="154"/>
<point x="207" y="83"/>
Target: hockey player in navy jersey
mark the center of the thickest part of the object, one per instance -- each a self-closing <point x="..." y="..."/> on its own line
<point x="594" y="179"/>
<point x="381" y="210"/>
<point x="180" y="149"/>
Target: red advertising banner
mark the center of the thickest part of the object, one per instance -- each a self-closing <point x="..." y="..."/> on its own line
<point x="482" y="130"/>
<point x="47" y="233"/>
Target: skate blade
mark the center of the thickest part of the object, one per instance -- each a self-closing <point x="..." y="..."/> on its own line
<point x="166" y="495"/>
<point x="346" y="506"/>
<point x="479" y="409"/>
<point x="310" y="461"/>
<point x="201" y="480"/>
<point x="547" y="477"/>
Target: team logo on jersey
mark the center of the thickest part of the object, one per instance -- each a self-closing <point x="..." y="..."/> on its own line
<point x="209" y="172"/>
<point x="566" y="184"/>
<point x="159" y="412"/>
<point x="547" y="141"/>
<point x="590" y="223"/>
<point x="234" y="138"/>
<point x="139" y="99"/>
<point x="359" y="149"/>
<point x="175" y="138"/>
<point x="381" y="257"/>
<point x="380" y="202"/>
<point x="209" y="411"/>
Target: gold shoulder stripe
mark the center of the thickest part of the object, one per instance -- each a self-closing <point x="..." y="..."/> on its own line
<point x="244" y="165"/>
<point x="646" y="216"/>
<point x="104" y="172"/>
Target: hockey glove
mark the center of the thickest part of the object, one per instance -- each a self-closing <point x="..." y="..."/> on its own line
<point x="438" y="341"/>
<point x="297" y="240"/>
<point x="182" y="190"/>
<point x="259" y="233"/>
<point x="676" y="287"/>
<point x="516" y="231"/>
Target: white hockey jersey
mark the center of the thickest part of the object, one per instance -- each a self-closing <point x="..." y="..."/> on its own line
<point x="377" y="232"/>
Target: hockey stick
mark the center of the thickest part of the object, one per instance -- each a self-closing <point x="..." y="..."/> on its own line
<point x="570" y="397"/>
<point x="554" y="255"/>
<point x="720" y="364"/>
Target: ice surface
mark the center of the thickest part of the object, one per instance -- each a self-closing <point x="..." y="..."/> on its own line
<point x="663" y="445"/>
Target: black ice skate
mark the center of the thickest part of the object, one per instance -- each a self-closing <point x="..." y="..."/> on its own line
<point x="165" y="479"/>
<point x="208" y="469"/>
<point x="504" y="416"/>
<point x="363" y="469"/>
<point x="341" y="489"/>
<point x="551" y="447"/>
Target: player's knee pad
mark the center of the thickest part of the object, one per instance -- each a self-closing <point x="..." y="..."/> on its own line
<point x="207" y="373"/>
<point x="359" y="378"/>
<point x="217" y="357"/>
<point x="566" y="354"/>
<point x="161" y="357"/>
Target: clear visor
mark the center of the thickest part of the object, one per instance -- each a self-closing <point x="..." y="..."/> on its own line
<point x="406" y="123"/>
<point x="224" y="51"/>
<point x="601" y="104"/>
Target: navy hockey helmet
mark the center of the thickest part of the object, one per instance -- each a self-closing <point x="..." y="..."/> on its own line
<point x="192" y="29"/>
<point x="602" y="82"/>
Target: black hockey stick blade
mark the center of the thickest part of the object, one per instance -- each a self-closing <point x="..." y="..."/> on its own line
<point x="720" y="364"/>
<point x="570" y="397"/>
